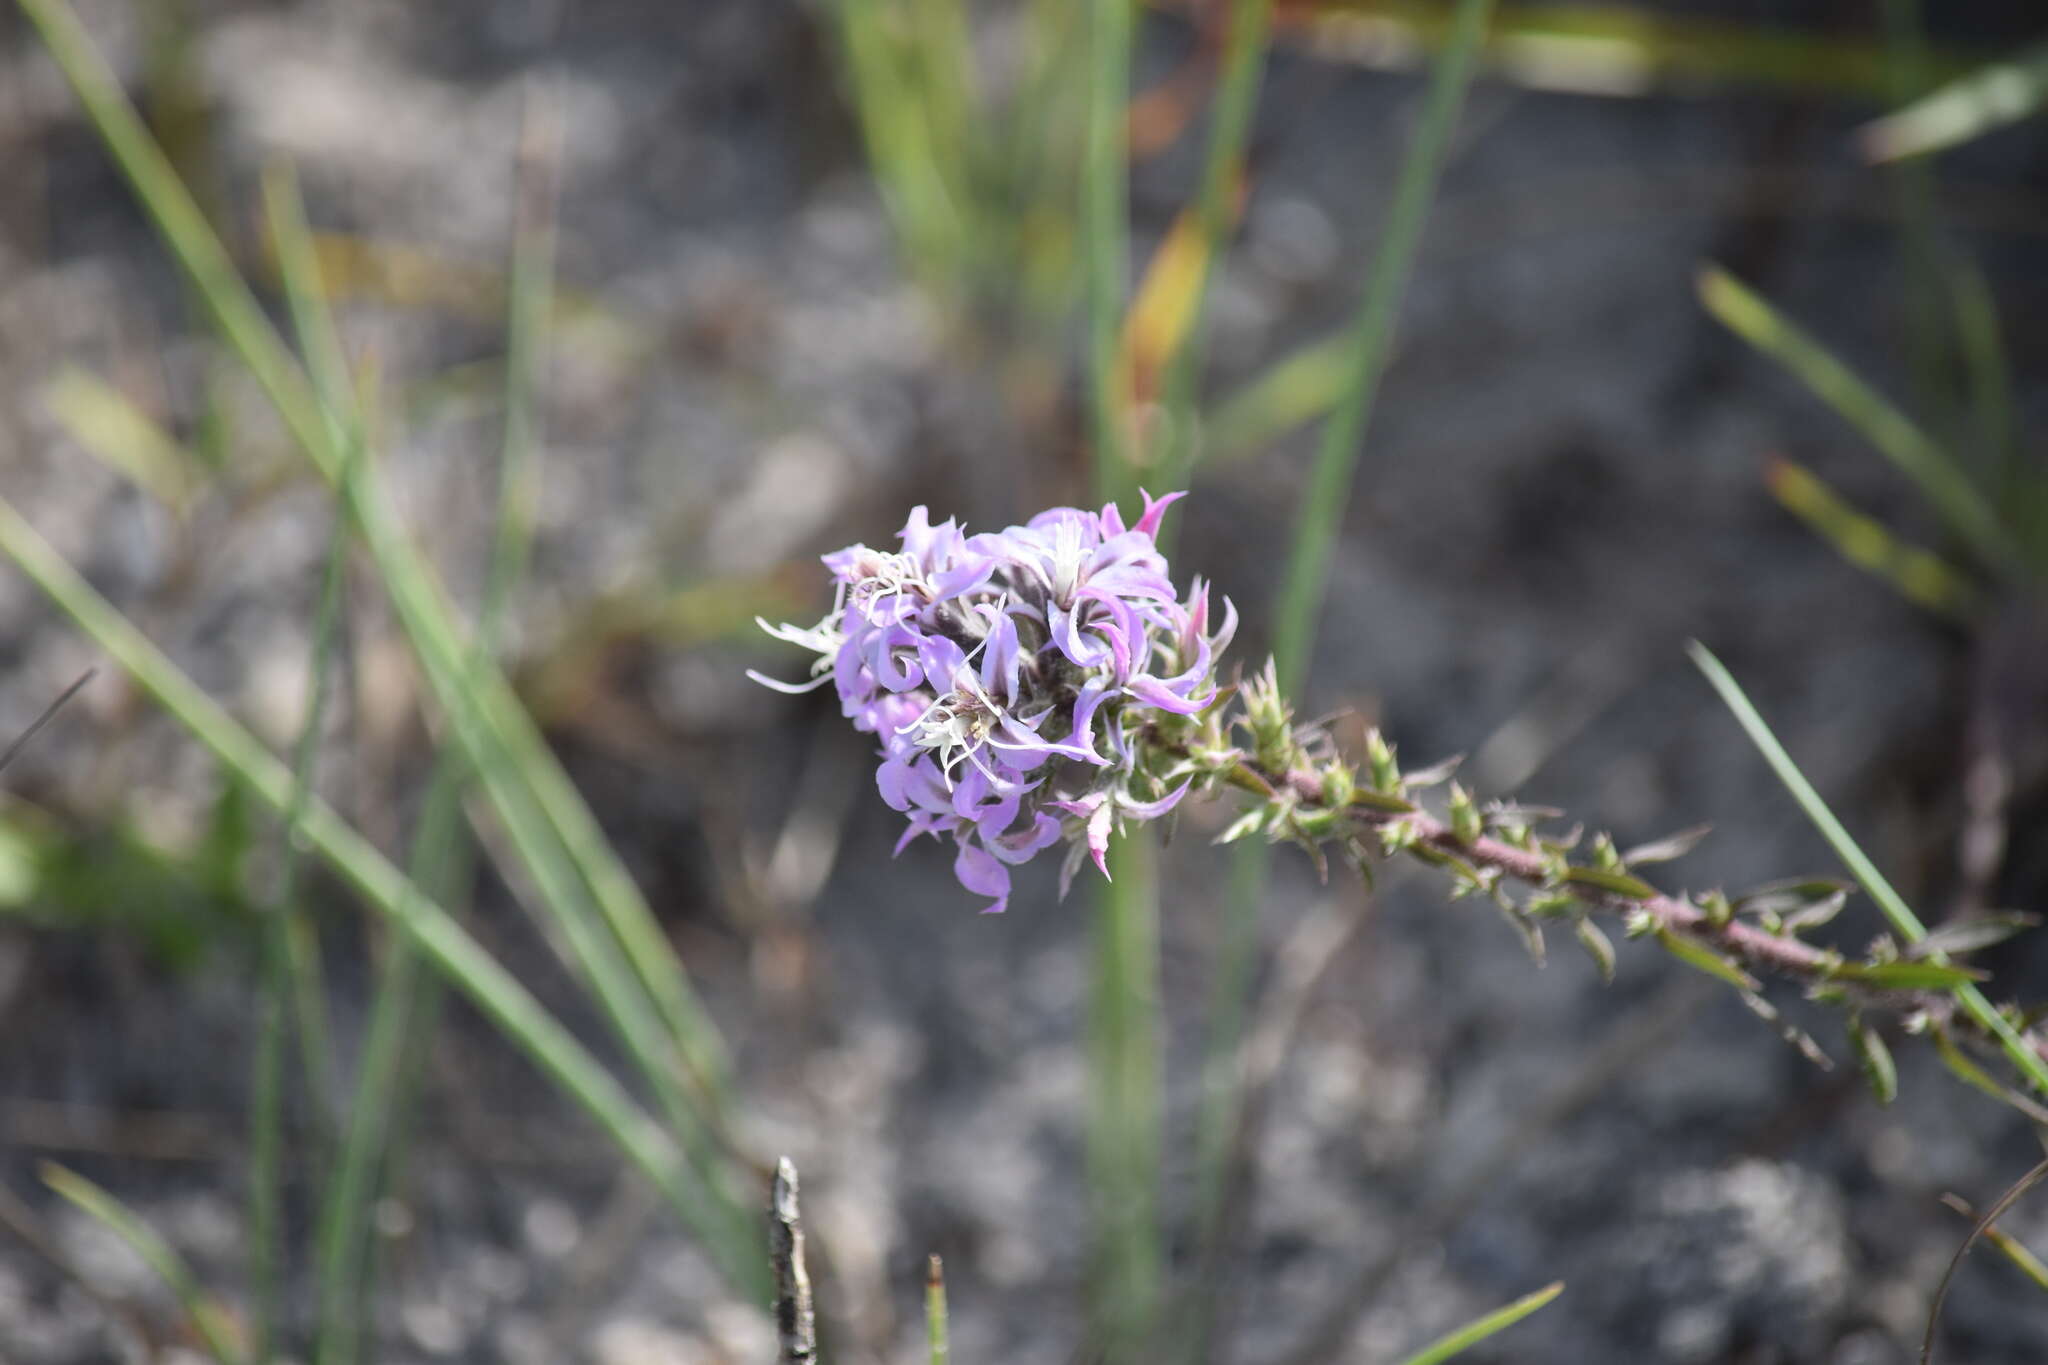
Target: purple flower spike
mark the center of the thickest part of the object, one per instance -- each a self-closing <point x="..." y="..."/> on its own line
<point x="1011" y="679"/>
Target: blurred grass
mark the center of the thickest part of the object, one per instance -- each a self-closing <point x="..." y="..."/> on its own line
<point x="1125" y="1156"/>
<point x="209" y="1319"/>
<point x="496" y="993"/>
<point x="1942" y="480"/>
<point x="342" y="1229"/>
<point x="1217" y="208"/>
<point x="1920" y="576"/>
<point x="1616" y="50"/>
<point x="1968" y="107"/>
<point x="290" y="976"/>
<point x="626" y="962"/>
<point x="1106" y="245"/>
<point x="106" y="423"/>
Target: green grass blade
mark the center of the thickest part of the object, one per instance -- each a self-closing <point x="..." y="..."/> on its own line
<point x="208" y="1318"/>
<point x="883" y="93"/>
<point x="1897" y="913"/>
<point x="289" y="974"/>
<point x="1940" y="479"/>
<point x="406" y="1006"/>
<point x="1290" y="393"/>
<point x="1105" y="232"/>
<point x="495" y="992"/>
<point x="1123" y="1133"/>
<point x="1472" y="1333"/>
<point x="1328" y="493"/>
<point x="107" y="424"/>
<point x="1920" y="576"/>
<point x="1124" y="1152"/>
<point x="1989" y="369"/>
<point x="1994" y="97"/>
<point x="1237" y="95"/>
<point x="343" y="1228"/>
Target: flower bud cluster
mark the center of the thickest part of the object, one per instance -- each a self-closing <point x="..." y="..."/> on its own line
<point x="1011" y="677"/>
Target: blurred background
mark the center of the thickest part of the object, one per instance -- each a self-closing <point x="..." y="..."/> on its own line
<point x="816" y="263"/>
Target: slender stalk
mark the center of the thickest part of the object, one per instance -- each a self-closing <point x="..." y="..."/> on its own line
<point x="1328" y="493"/>
<point x="1105" y="230"/>
<point x="1237" y="95"/>
<point x="937" y="1351"/>
<point x="1124" y="1101"/>
<point x="1300" y="602"/>
<point x="406" y="1008"/>
<point x="443" y="861"/>
<point x="283" y="969"/>
<point x="1123" y="1137"/>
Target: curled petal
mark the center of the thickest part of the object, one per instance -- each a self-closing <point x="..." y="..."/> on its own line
<point x="1152" y="810"/>
<point x="969" y="572"/>
<point x="1003" y="658"/>
<point x="1154" y="692"/>
<point x="793" y="689"/>
<point x="980" y="873"/>
<point x="1018" y="846"/>
<point x="1155" y="508"/>
<point x="920" y="823"/>
<point x="1220" y="641"/>
<point x="1092" y="694"/>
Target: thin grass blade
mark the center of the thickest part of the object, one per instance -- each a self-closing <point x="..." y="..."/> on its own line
<point x="1945" y="484"/>
<point x="1918" y="575"/>
<point x="209" y="1319"/>
<point x="1984" y="101"/>
<point x="1494" y="1323"/>
<point x="1903" y="921"/>
<point x="290" y="975"/>
<point x="1328" y="492"/>
<point x="1105" y="234"/>
<point x="1217" y="209"/>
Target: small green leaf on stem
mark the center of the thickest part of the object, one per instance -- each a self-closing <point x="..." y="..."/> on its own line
<point x="1972" y="935"/>
<point x="1617" y="883"/>
<point x="1876" y="1059"/>
<point x="1598" y="946"/>
<point x="1696" y="954"/>
<point x="1909" y="976"/>
<point x="1666" y="849"/>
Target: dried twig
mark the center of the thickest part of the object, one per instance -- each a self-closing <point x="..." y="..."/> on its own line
<point x="44" y="719"/>
<point x="795" y="1325"/>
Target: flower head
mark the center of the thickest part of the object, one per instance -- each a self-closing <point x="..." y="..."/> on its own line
<point x="1010" y="677"/>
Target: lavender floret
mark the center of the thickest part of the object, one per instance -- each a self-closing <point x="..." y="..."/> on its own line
<point x="1009" y="676"/>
